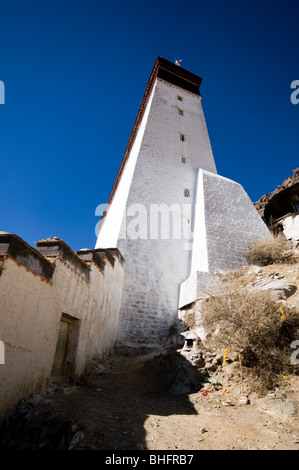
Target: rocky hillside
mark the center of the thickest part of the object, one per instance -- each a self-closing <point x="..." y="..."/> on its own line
<point x="287" y="183"/>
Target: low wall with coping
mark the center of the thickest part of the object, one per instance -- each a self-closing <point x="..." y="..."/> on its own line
<point x="44" y="290"/>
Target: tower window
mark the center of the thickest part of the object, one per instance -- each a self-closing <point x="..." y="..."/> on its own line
<point x="181" y="112"/>
<point x="182" y="137"/>
<point x="180" y="98"/>
<point x="187" y="192"/>
<point x="183" y="160"/>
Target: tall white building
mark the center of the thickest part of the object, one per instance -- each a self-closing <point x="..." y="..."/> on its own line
<point x="169" y="213"/>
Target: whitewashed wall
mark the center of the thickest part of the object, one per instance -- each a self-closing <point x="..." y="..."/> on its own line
<point x="226" y="222"/>
<point x="27" y="321"/>
<point x="156" y="267"/>
<point x="291" y="228"/>
<point x="31" y="307"/>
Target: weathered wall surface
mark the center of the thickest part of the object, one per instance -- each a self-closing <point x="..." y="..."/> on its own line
<point x="27" y="318"/>
<point x="232" y="222"/>
<point x="226" y="222"/>
<point x="104" y="301"/>
<point x="88" y="292"/>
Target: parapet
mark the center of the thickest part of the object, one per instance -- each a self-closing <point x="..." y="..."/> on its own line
<point x="38" y="260"/>
<point x="55" y="247"/>
<point x="15" y="247"/>
<point x="100" y="256"/>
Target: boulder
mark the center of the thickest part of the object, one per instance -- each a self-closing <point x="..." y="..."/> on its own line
<point x="210" y="367"/>
<point x="279" y="290"/>
<point x="279" y="405"/>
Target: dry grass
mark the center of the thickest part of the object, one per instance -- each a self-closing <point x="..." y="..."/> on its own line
<point x="268" y="251"/>
<point x="249" y="323"/>
<point x="189" y="321"/>
<point x="252" y="325"/>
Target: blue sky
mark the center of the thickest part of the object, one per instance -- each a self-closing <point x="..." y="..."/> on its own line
<point x="75" y="73"/>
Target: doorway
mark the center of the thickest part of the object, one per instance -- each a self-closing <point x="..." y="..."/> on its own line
<point x="66" y="347"/>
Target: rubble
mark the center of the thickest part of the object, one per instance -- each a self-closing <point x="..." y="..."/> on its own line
<point x="30" y="428"/>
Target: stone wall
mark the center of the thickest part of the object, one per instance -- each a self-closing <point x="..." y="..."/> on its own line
<point x="232" y="222"/>
<point x="39" y="288"/>
<point x="226" y="222"/>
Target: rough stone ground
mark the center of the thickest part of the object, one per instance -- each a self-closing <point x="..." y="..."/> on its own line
<point x="125" y="405"/>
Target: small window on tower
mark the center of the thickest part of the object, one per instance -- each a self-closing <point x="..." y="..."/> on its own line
<point x="187" y="192"/>
<point x="180" y="98"/>
<point x="183" y="160"/>
<point x="182" y="137"/>
<point x="181" y="112"/>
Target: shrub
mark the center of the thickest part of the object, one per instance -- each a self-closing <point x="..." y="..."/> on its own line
<point x="268" y="250"/>
<point x="252" y="325"/>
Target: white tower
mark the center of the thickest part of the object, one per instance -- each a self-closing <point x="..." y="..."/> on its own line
<point x="157" y="204"/>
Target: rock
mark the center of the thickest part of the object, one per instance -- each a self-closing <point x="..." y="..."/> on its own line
<point x="279" y="290"/>
<point x="35" y="399"/>
<point x="210" y="367"/>
<point x="278" y="405"/>
<point x="77" y="439"/>
<point x="288" y="182"/>
<point x="210" y="354"/>
<point x="199" y="362"/>
<point x="197" y="359"/>
<point x="217" y="359"/>
<point x="255" y="270"/>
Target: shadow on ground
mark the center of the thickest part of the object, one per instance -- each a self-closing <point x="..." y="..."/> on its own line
<point x="107" y="410"/>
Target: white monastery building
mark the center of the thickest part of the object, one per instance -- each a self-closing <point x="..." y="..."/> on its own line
<point x="171" y="223"/>
<point x="175" y="221"/>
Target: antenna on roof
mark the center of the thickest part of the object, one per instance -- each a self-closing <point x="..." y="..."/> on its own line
<point x="178" y="62"/>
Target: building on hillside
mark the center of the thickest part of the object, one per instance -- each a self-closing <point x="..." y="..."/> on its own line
<point x="174" y="219"/>
<point x="281" y="214"/>
<point x="280" y="209"/>
<point x="170" y="224"/>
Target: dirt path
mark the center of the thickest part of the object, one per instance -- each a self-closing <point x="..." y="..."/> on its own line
<point x="127" y="407"/>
